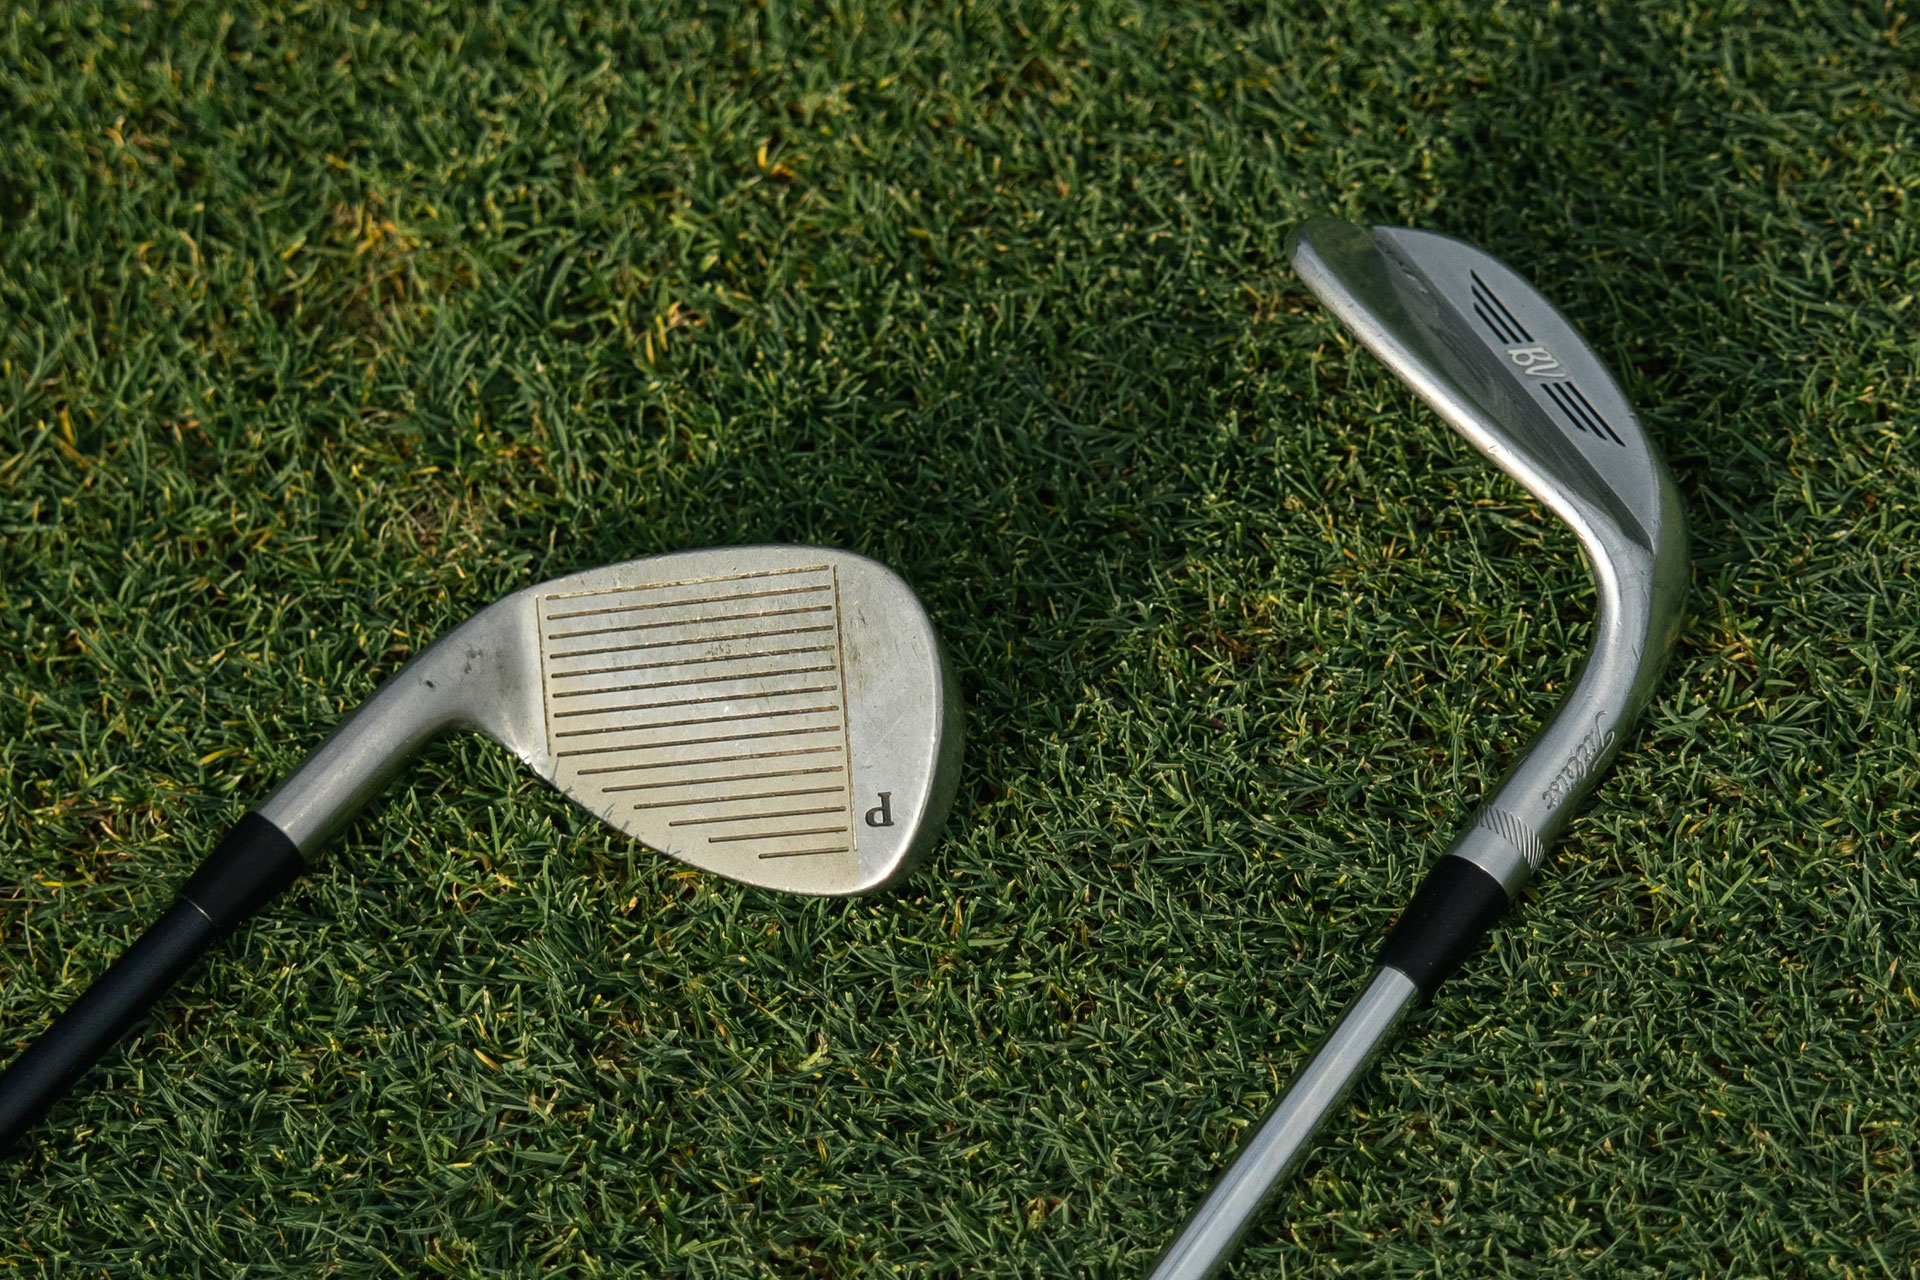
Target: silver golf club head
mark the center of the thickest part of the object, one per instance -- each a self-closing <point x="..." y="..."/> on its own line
<point x="1493" y="358"/>
<point x="783" y="716"/>
<point x="1508" y="372"/>
<point x="777" y="715"/>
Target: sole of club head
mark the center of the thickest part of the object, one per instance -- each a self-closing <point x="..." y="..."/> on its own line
<point x="780" y="715"/>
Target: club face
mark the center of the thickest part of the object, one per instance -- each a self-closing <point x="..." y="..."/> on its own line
<point x="1502" y="366"/>
<point x="781" y="716"/>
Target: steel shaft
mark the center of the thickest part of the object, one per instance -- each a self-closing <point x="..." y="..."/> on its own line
<point x="1287" y="1132"/>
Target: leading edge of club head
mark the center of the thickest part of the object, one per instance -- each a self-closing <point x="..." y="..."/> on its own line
<point x="1506" y="370"/>
<point x="779" y="715"/>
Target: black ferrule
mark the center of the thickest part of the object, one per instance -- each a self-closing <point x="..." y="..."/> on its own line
<point x="244" y="872"/>
<point x="1444" y="923"/>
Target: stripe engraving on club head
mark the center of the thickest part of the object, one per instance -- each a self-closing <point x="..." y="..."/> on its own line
<point x="1487" y="305"/>
<point x="704" y="709"/>
<point x="1581" y="413"/>
<point x="1540" y="362"/>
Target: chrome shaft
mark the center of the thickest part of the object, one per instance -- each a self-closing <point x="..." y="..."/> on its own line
<point x="1266" y="1158"/>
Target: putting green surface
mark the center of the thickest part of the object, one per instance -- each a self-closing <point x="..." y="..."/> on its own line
<point x="321" y="326"/>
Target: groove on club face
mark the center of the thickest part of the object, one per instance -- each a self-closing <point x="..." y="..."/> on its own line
<point x="782" y="716"/>
<point x="1506" y="370"/>
<point x="776" y="716"/>
<point x="753" y="664"/>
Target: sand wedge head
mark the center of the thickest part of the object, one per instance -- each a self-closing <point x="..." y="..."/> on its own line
<point x="1502" y="366"/>
<point x="780" y="715"/>
<point x="1506" y="370"/>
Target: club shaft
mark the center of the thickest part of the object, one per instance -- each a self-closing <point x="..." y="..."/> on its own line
<point x="1276" y="1147"/>
<point x="253" y="863"/>
<point x="37" y="1078"/>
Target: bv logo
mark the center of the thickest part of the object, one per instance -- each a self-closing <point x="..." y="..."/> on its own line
<point x="1537" y="361"/>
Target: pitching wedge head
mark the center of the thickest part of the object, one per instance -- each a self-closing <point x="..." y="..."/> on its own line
<point x="779" y="715"/>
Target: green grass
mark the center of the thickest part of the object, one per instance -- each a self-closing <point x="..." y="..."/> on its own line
<point x="322" y="325"/>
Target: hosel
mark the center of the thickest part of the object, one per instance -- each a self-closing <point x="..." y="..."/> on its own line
<point x="259" y="857"/>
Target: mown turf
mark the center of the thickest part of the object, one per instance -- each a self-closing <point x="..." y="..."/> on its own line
<point x="323" y="325"/>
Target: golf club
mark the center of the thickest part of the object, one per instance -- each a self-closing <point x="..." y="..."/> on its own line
<point x="782" y="716"/>
<point x="1508" y="372"/>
